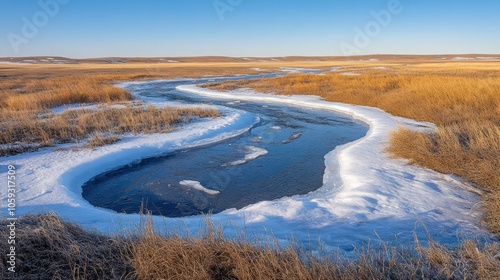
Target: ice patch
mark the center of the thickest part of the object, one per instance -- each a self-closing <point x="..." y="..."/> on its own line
<point x="291" y="138"/>
<point x="255" y="152"/>
<point x="257" y="139"/>
<point x="197" y="186"/>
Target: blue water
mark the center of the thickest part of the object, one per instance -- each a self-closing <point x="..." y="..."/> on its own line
<point x="296" y="139"/>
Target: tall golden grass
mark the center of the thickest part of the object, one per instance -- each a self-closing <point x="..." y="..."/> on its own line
<point x="27" y="93"/>
<point x="26" y="130"/>
<point x="43" y="94"/>
<point x="462" y="99"/>
<point x="51" y="248"/>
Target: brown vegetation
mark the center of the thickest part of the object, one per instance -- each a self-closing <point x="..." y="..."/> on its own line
<point x="33" y="129"/>
<point x="50" y="248"/>
<point x="463" y="99"/>
<point x="28" y="92"/>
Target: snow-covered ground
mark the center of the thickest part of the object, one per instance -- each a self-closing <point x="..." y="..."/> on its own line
<point x="366" y="194"/>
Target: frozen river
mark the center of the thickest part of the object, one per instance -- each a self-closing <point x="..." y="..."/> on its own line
<point x="282" y="155"/>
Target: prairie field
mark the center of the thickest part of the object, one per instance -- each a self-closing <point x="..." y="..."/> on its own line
<point x="461" y="97"/>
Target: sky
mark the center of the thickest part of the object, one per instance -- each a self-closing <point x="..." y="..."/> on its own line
<point x="169" y="28"/>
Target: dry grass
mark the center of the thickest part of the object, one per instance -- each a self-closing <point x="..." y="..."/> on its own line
<point x="33" y="129"/>
<point x="28" y="92"/>
<point x="463" y="99"/>
<point x="50" y="248"/>
<point x="43" y="94"/>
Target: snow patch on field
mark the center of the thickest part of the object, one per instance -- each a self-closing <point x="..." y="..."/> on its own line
<point x="350" y="74"/>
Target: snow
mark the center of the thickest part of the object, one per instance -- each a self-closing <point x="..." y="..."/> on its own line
<point x="197" y="186"/>
<point x="300" y="70"/>
<point x="82" y="106"/>
<point x="350" y="74"/>
<point x="463" y="58"/>
<point x="487" y="58"/>
<point x="366" y="194"/>
<point x="254" y="152"/>
<point x="13" y="63"/>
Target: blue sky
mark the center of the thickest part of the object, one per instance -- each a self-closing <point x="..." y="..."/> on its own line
<point x="99" y="28"/>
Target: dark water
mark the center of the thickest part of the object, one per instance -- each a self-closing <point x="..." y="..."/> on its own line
<point x="296" y="139"/>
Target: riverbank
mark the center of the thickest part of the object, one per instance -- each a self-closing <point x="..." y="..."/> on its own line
<point x="461" y="98"/>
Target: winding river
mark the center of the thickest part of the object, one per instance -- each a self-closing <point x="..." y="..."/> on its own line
<point x="282" y="155"/>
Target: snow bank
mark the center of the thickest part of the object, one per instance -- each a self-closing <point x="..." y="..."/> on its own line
<point x="197" y="186"/>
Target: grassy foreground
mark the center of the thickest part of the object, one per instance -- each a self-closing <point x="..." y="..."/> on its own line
<point x="50" y="248"/>
<point x="462" y="99"/>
